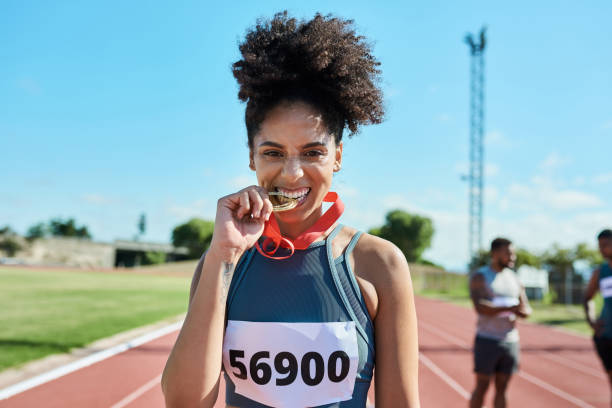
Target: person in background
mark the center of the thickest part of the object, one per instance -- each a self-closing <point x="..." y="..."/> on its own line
<point x="601" y="280"/>
<point x="498" y="298"/>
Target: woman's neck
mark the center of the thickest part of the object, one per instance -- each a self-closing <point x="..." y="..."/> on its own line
<point x="293" y="230"/>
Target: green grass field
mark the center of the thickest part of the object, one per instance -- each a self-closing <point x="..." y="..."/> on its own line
<point x="44" y="312"/>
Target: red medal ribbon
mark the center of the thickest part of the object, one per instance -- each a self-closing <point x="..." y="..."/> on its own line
<point x="273" y="235"/>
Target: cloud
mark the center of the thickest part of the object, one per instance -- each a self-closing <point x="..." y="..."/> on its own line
<point x="542" y="195"/>
<point x="603" y="178"/>
<point x="491" y="194"/>
<point x="554" y="161"/>
<point x="344" y="190"/>
<point x="98" y="199"/>
<point x="463" y="169"/>
<point x="198" y="208"/>
<point x="496" y="138"/>
<point x="242" y="181"/>
<point x="29" y="85"/>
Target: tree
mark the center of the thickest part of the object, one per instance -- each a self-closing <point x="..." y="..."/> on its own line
<point x="57" y="227"/>
<point x="36" y="231"/>
<point x="481" y="258"/>
<point x="562" y="274"/>
<point x="10" y="246"/>
<point x="411" y="233"/>
<point x="195" y="234"/>
<point x="7" y="230"/>
<point x="68" y="228"/>
<point x="592" y="256"/>
<point x="142" y="224"/>
<point x="524" y="257"/>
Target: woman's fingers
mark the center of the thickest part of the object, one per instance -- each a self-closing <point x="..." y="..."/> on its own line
<point x="252" y="202"/>
<point x="245" y="205"/>
<point x="267" y="209"/>
<point x="257" y="203"/>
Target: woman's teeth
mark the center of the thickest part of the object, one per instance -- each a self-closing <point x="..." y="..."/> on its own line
<point x="294" y="193"/>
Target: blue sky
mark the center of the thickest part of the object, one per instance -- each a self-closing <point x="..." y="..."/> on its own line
<point x="109" y="109"/>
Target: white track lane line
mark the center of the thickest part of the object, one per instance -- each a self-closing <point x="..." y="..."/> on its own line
<point x="575" y="365"/>
<point x="534" y="380"/>
<point x="445" y="377"/>
<point x="87" y="361"/>
<point x="140" y="391"/>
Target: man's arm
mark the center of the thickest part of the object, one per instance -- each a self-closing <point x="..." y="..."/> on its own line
<point x="589" y="307"/>
<point x="523" y="309"/>
<point x="482" y="304"/>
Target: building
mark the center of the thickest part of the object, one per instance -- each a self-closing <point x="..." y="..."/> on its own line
<point x="84" y="253"/>
<point x="534" y="280"/>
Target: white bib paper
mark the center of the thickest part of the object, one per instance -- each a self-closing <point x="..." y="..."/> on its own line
<point x="605" y="286"/>
<point x="292" y="364"/>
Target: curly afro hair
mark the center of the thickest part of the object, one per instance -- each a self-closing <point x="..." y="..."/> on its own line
<point x="321" y="62"/>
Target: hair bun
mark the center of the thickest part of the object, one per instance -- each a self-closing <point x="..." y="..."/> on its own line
<point x="322" y="56"/>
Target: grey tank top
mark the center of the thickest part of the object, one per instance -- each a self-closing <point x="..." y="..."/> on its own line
<point x="501" y="285"/>
<point x="309" y="287"/>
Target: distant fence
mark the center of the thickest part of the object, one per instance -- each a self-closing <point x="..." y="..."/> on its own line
<point x="431" y="279"/>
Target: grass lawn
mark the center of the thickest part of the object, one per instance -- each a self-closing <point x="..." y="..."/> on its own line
<point x="45" y="312"/>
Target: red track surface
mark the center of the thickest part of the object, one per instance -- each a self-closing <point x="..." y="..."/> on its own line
<point x="557" y="370"/>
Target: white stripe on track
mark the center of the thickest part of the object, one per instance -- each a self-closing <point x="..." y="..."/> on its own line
<point x="554" y="390"/>
<point x="87" y="361"/>
<point x="575" y="365"/>
<point x="534" y="380"/>
<point x="140" y="391"/>
<point x="445" y="377"/>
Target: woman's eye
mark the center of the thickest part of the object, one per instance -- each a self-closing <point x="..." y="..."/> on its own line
<point x="272" y="153"/>
<point x="313" y="153"/>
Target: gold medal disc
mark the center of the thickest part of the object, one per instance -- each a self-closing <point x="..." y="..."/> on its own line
<point x="281" y="202"/>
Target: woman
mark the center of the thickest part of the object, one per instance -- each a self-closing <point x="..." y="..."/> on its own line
<point x="292" y="319"/>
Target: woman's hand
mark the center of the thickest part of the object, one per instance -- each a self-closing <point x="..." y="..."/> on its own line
<point x="240" y="221"/>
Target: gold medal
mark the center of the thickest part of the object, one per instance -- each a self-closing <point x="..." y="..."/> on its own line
<point x="281" y="202"/>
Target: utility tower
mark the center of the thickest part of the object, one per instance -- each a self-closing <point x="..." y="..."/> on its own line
<point x="475" y="178"/>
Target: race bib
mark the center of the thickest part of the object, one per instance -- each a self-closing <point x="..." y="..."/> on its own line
<point x="292" y="364"/>
<point x="605" y="287"/>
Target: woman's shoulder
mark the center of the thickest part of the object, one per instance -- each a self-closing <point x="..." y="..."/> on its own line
<point x="378" y="260"/>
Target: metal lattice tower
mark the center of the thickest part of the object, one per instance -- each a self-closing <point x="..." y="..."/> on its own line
<point x="476" y="176"/>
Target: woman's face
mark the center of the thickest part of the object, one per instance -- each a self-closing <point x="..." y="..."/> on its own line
<point x="294" y="154"/>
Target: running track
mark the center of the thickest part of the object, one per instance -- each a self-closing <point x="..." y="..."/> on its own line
<point x="558" y="370"/>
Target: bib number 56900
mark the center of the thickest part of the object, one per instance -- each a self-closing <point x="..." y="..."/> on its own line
<point x="286" y="363"/>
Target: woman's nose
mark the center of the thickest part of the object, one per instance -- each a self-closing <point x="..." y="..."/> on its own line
<point x="293" y="168"/>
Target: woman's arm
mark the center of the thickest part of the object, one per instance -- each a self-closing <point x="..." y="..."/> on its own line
<point x="191" y="375"/>
<point x="395" y="324"/>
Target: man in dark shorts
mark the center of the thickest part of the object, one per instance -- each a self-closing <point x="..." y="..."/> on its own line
<point x="499" y="298"/>
<point x="601" y="280"/>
